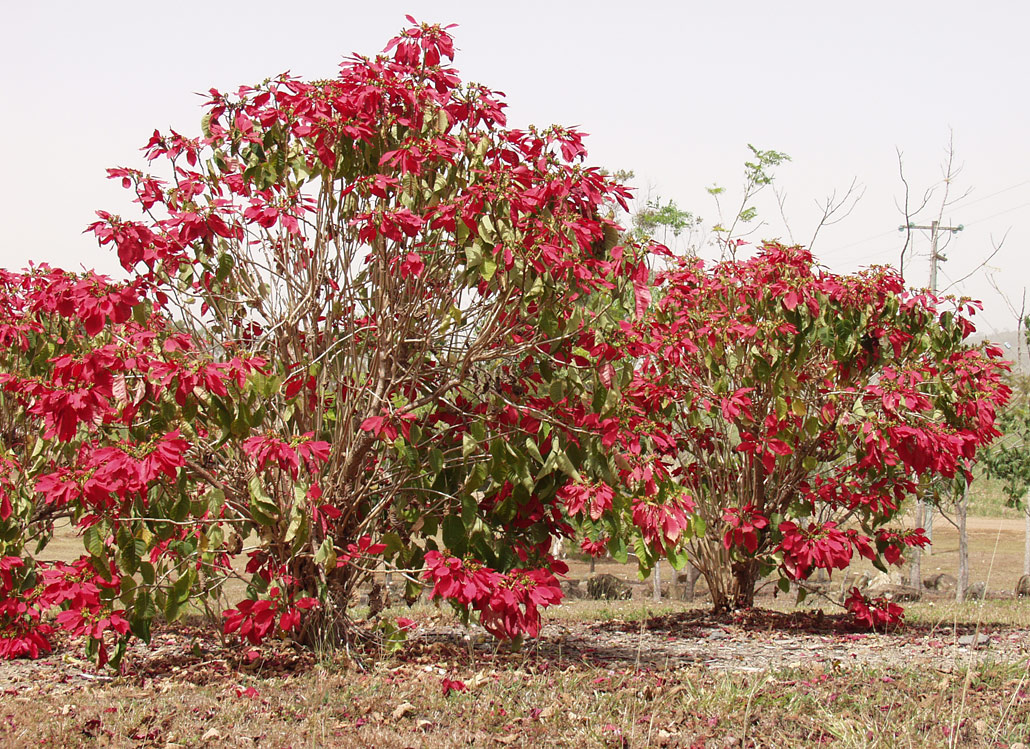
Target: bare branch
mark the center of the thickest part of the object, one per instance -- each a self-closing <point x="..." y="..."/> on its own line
<point x="997" y="248"/>
<point x="832" y="208"/>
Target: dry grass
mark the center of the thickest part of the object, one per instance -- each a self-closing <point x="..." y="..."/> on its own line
<point x="526" y="700"/>
<point x="401" y="704"/>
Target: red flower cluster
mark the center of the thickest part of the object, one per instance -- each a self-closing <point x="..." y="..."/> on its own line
<point x="662" y="523"/>
<point x="577" y="496"/>
<point x="21" y="633"/>
<point x="892" y="543"/>
<point x="288" y="456"/>
<point x="744" y="524"/>
<point x="508" y="604"/>
<point x="877" y="613"/>
<point x="82" y="594"/>
<point x="822" y="546"/>
<point x="256" y="619"/>
<point x="594" y="548"/>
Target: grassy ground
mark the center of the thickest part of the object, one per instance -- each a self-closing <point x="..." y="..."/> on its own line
<point x="198" y="695"/>
<point x="521" y="701"/>
<point x="986" y="499"/>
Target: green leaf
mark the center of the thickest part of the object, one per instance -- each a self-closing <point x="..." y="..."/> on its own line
<point x="487" y="230"/>
<point x="469" y="509"/>
<point x="179" y="594"/>
<point x="489" y="267"/>
<point x="474" y="254"/>
<point x="93" y="541"/>
<point x="563" y="462"/>
<point x="393" y="544"/>
<point x="678" y="557"/>
<point x="699" y="524"/>
<point x="643" y="554"/>
<point x="454" y="537"/>
<point x="468" y="445"/>
<point x="225" y="265"/>
<point x="262" y="508"/>
<point x="142" y="614"/>
<point x="215" y="501"/>
<point x="617" y="548"/>
<point x="549" y="322"/>
<point x="297" y="529"/>
<point x="131" y="550"/>
<point x="326" y="555"/>
<point x="534" y="450"/>
<point x="393" y="636"/>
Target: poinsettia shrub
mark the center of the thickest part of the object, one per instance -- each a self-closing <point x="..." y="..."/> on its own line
<point x="102" y="400"/>
<point x="799" y="409"/>
<point x="368" y="327"/>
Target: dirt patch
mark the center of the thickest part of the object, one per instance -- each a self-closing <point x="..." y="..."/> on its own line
<point x="756" y="640"/>
<point x="761" y="640"/>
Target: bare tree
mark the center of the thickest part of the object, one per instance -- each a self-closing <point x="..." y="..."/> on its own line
<point x="834" y="209"/>
<point x="943" y="187"/>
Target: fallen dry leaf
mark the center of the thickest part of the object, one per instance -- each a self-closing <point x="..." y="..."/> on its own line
<point x="403" y="709"/>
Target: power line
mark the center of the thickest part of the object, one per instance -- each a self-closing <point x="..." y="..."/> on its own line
<point x="999" y="213"/>
<point x="861" y="241"/>
<point x="992" y="195"/>
<point x="959" y="204"/>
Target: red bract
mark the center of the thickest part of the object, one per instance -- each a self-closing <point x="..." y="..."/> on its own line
<point x="508" y="604"/>
<point x="364" y="547"/>
<point x="891" y="544"/>
<point x="21" y="631"/>
<point x="744" y="524"/>
<point x="661" y="524"/>
<point x="253" y="619"/>
<point x="576" y="497"/>
<point x="513" y="608"/>
<point x="24" y="640"/>
<point x="878" y="613"/>
<point x="817" y="546"/>
<point x="452" y="685"/>
<point x="467" y="584"/>
<point x="594" y="548"/>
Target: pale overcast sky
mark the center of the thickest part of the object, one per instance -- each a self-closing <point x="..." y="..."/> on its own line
<point x="672" y="90"/>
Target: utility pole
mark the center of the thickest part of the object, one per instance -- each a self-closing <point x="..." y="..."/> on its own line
<point x="936" y="257"/>
<point x="924" y="514"/>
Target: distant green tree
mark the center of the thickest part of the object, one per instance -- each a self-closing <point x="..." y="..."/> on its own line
<point x="758" y="174"/>
<point x="656" y="216"/>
